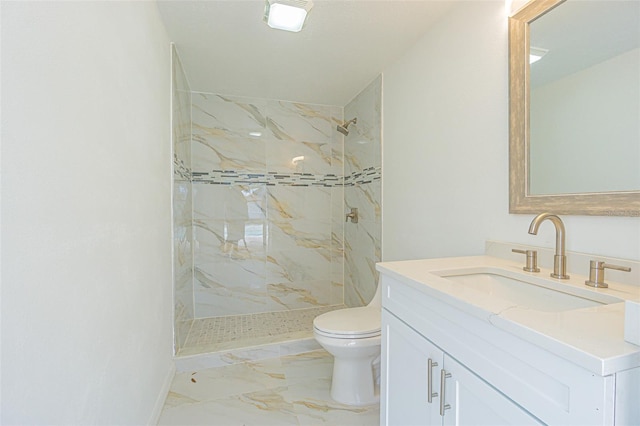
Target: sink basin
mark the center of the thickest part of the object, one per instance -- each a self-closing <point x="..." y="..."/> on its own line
<point x="525" y="290"/>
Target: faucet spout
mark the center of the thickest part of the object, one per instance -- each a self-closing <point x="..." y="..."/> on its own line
<point x="560" y="258"/>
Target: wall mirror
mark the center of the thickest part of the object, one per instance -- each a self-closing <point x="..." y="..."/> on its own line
<point x="574" y="125"/>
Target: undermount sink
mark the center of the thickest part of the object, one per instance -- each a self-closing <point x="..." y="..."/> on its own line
<point x="525" y="290"/>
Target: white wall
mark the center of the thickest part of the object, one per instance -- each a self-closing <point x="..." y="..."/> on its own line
<point x="86" y="205"/>
<point x="445" y="149"/>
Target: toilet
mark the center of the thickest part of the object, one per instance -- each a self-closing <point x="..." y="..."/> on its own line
<point x="352" y="336"/>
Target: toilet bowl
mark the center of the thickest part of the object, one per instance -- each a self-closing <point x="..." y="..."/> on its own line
<point x="352" y="336"/>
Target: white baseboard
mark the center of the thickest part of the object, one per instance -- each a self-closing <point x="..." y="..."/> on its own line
<point x="162" y="395"/>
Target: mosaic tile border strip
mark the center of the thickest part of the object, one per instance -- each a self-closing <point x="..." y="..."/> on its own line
<point x="365" y="176"/>
<point x="180" y="170"/>
<point x="232" y="177"/>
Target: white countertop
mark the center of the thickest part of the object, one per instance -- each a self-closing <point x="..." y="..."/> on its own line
<point x="591" y="337"/>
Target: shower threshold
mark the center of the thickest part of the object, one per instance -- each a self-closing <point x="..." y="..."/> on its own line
<point x="219" y="334"/>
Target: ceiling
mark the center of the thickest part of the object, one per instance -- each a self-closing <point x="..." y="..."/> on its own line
<point x="225" y="47"/>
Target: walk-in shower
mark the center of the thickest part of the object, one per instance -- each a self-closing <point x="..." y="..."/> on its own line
<point x="344" y="129"/>
<point x="259" y="247"/>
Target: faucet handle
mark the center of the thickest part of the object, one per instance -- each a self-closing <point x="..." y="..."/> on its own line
<point x="532" y="260"/>
<point x="596" y="273"/>
<point x="353" y="215"/>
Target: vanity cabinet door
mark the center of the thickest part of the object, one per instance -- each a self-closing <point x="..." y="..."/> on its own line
<point x="472" y="401"/>
<point x="405" y="376"/>
<point x="469" y="400"/>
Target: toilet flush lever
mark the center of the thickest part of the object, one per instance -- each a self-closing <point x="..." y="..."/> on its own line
<point x="596" y="273"/>
<point x="353" y="215"/>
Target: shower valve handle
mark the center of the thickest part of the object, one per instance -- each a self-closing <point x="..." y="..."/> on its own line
<point x="353" y="215"/>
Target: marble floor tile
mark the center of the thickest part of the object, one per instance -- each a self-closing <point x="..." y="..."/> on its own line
<point x="236" y="379"/>
<point x="290" y="390"/>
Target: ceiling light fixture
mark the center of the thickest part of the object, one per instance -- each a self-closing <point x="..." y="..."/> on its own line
<point x="288" y="15"/>
<point x="536" y="53"/>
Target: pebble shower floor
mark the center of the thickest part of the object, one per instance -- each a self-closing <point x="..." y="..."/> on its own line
<point x="232" y="332"/>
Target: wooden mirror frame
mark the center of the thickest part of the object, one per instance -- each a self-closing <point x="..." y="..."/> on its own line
<point x="520" y="201"/>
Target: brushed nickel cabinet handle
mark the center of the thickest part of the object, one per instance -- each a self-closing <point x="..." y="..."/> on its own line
<point x="443" y="376"/>
<point x="430" y="393"/>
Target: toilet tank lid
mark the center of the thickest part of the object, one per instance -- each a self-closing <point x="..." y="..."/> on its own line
<point x="349" y="321"/>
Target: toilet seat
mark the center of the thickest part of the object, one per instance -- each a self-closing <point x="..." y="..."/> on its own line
<point x="352" y="323"/>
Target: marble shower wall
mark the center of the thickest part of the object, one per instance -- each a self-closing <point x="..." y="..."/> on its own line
<point x="182" y="200"/>
<point x="268" y="205"/>
<point x="363" y="190"/>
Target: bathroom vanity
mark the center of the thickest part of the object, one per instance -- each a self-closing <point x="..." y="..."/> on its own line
<point x="477" y="340"/>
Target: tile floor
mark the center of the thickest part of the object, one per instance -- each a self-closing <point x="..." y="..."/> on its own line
<point x="233" y="332"/>
<point x="289" y="390"/>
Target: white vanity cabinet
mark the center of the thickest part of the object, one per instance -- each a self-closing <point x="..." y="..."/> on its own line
<point x="406" y="375"/>
<point x="415" y="366"/>
<point x="495" y="373"/>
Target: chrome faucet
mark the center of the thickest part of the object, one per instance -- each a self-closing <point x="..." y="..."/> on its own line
<point x="560" y="259"/>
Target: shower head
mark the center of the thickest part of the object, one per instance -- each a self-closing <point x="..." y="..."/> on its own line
<point x="344" y="129"/>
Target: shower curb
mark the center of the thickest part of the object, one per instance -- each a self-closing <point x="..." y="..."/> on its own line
<point x="236" y="356"/>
